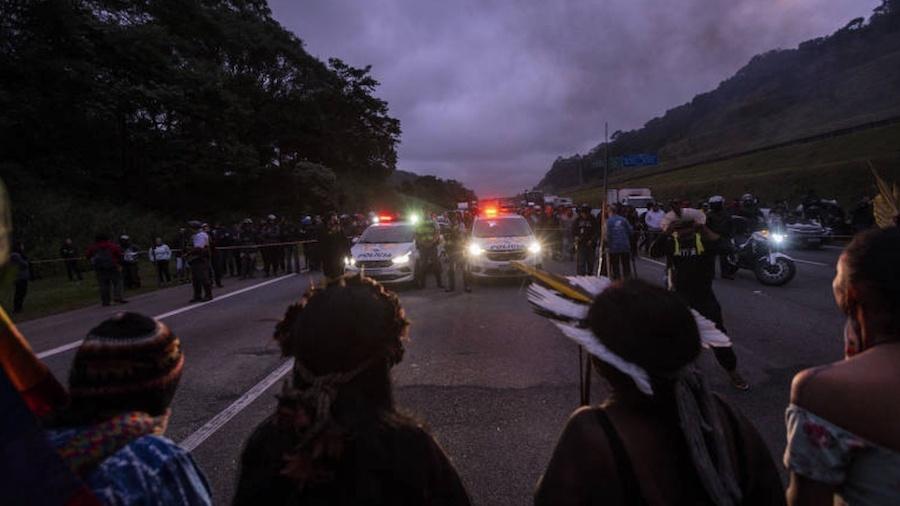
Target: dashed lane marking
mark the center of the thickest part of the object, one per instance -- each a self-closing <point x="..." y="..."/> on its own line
<point x="810" y="262"/>
<point x="66" y="347"/>
<point x="215" y="423"/>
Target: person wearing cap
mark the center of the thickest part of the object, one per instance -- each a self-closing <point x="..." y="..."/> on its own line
<point x="121" y="385"/>
<point x="198" y="259"/>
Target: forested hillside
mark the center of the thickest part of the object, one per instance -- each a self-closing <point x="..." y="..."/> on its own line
<point x="843" y="80"/>
<point x="180" y="108"/>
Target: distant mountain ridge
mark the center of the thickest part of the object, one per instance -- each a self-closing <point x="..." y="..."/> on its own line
<point x="849" y="78"/>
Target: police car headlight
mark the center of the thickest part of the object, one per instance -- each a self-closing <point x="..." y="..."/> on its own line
<point x="349" y="261"/>
<point x="534" y="247"/>
<point x="402" y="259"/>
<point x="778" y="238"/>
<point x="475" y="250"/>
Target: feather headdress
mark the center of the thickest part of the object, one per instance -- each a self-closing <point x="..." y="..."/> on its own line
<point x="565" y="300"/>
<point x="886" y="205"/>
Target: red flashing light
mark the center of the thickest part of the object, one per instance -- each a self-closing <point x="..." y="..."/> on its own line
<point x="490" y="212"/>
<point x="385" y="217"/>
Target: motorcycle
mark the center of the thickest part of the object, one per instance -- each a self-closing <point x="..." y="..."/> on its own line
<point x="760" y="253"/>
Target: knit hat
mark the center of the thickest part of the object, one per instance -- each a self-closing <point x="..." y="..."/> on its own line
<point x="129" y="362"/>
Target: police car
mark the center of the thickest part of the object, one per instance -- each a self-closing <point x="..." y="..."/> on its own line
<point x="496" y="240"/>
<point x="386" y="251"/>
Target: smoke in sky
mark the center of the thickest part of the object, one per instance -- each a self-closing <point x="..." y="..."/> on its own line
<point x="490" y="92"/>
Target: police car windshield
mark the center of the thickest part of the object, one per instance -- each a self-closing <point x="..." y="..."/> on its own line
<point x="394" y="234"/>
<point x="502" y="227"/>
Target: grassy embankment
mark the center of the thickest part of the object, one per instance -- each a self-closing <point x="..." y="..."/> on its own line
<point x="834" y="168"/>
<point x="54" y="293"/>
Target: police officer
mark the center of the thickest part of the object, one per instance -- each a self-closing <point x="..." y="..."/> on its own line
<point x="248" y="240"/>
<point x="198" y="259"/>
<point x="333" y="247"/>
<point x="427" y="241"/>
<point x="454" y="245"/>
<point x="718" y="219"/>
<point x="692" y="268"/>
<point x="586" y="232"/>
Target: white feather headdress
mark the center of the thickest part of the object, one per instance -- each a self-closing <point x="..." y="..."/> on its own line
<point x="566" y="301"/>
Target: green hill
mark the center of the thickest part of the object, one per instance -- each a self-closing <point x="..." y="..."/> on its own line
<point x="848" y="79"/>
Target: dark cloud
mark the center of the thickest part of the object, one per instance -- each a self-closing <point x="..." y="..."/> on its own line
<point x="490" y="92"/>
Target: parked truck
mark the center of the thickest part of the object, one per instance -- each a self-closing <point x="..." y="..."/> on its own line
<point x="638" y="198"/>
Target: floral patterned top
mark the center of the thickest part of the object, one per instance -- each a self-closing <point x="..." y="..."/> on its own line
<point x="863" y="472"/>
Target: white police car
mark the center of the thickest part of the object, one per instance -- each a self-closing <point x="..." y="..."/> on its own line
<point x="386" y="251"/>
<point x="496" y="240"/>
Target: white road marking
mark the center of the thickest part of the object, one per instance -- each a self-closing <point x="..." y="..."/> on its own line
<point x="215" y="423"/>
<point x="653" y="261"/>
<point x="810" y="262"/>
<point x="830" y="246"/>
<point x="75" y="344"/>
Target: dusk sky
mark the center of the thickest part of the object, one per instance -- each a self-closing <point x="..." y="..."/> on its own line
<point x="490" y="92"/>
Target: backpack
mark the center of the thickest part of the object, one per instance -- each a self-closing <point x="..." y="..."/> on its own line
<point x="103" y="260"/>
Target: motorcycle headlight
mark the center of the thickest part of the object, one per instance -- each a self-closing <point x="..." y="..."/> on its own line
<point x="475" y="250"/>
<point x="778" y="238"/>
<point x="349" y="261"/>
<point x="534" y="247"/>
<point x="402" y="259"/>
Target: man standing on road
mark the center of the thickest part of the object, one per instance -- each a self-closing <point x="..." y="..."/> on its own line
<point x="586" y="232"/>
<point x="334" y="247"/>
<point x="718" y="219"/>
<point x="106" y="258"/>
<point x="70" y="254"/>
<point x="455" y="240"/>
<point x="692" y="268"/>
<point x="653" y="219"/>
<point x="160" y="254"/>
<point x="130" y="274"/>
<point x="427" y="241"/>
<point x="23" y="274"/>
<point x="618" y="244"/>
<point x="198" y="259"/>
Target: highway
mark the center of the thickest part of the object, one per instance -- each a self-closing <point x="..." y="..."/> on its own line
<point x="493" y="381"/>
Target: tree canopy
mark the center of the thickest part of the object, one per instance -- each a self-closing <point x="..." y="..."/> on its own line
<point x="185" y="106"/>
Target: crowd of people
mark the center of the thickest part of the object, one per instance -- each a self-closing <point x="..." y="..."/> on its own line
<point x="338" y="437"/>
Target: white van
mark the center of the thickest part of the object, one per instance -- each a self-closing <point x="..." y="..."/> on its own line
<point x="496" y="240"/>
<point x="386" y="252"/>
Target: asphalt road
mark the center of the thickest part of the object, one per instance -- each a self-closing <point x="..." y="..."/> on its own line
<point x="493" y="381"/>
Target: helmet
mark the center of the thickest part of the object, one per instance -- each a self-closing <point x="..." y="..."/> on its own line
<point x="717" y="199"/>
<point x="247" y="221"/>
<point x="747" y="197"/>
<point x="124" y="237"/>
<point x="270" y="217"/>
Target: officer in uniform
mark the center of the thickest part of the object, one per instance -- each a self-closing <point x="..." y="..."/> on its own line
<point x="586" y="232"/>
<point x="333" y="247"/>
<point x="718" y="219"/>
<point x="427" y="241"/>
<point x="691" y="271"/>
<point x="198" y="258"/>
<point x="454" y="244"/>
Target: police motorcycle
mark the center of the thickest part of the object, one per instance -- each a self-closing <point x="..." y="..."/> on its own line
<point x="760" y="251"/>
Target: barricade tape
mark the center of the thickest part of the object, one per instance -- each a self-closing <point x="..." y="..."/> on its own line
<point x="178" y="250"/>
